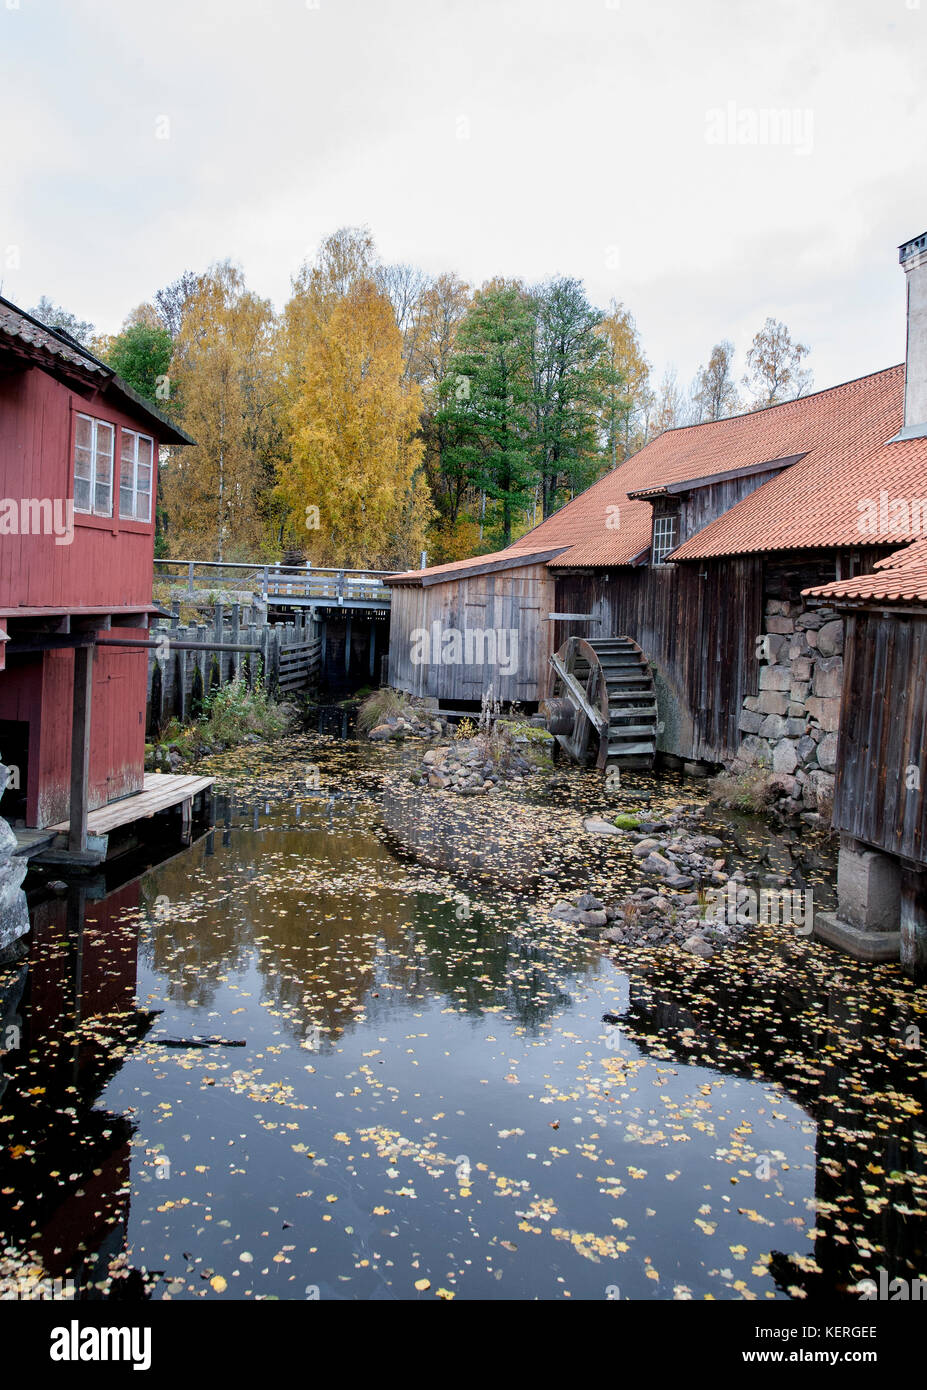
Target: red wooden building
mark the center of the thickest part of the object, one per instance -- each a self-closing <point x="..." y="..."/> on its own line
<point x="78" y="481"/>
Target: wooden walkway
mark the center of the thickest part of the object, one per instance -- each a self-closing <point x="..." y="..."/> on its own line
<point x="159" y="792"/>
<point x="282" y="586"/>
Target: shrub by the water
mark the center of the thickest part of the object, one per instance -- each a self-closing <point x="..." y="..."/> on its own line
<point x="380" y="706"/>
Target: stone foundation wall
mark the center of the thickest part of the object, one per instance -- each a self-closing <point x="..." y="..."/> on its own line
<point x="790" y="725"/>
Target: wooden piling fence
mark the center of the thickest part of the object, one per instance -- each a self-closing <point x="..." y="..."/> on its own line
<point x="290" y="657"/>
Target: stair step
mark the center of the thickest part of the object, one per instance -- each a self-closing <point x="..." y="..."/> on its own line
<point x="627" y="680"/>
<point x="629" y="749"/>
<point x="614" y="696"/>
<point x="626" y="730"/>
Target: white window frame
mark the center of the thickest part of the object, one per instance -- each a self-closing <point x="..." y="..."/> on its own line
<point x="665" y="536"/>
<point x="136" y="437"/>
<point x="93" y="509"/>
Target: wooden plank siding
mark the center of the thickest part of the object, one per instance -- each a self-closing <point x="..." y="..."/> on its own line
<point x="698" y="633"/>
<point x="109" y="560"/>
<point x="516" y="600"/>
<point x="882" y="739"/>
<point x="106" y="567"/>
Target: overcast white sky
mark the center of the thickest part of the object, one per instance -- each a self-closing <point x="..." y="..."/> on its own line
<point x="516" y="137"/>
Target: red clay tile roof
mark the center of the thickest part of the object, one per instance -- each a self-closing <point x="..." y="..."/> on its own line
<point x="831" y="496"/>
<point x="841" y="436"/>
<point x="901" y="577"/>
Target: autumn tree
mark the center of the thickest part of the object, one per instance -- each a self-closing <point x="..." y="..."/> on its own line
<point x="407" y="289"/>
<point x="670" y="408"/>
<point x="352" y="480"/>
<point x="775" y="372"/>
<point x="715" y="395"/>
<point x="487" y="399"/>
<point x="223" y="378"/>
<point x="628" y="396"/>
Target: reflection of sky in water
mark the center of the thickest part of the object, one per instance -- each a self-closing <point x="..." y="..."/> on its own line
<point x="448" y="1046"/>
<point x="430" y="1095"/>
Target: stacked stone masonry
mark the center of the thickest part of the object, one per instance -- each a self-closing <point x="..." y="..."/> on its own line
<point x="790" y="725"/>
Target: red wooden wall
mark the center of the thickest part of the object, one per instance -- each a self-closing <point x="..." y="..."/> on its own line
<point x="107" y="565"/>
<point x="109" y="561"/>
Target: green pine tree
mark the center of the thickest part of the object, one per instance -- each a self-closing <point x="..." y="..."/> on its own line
<point x="487" y="398"/>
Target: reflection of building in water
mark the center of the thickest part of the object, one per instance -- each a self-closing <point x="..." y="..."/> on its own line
<point x="14" y="915"/>
<point x="64" y="1177"/>
<point x="815" y="1040"/>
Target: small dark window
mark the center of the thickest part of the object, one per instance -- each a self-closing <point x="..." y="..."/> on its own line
<point x="665" y="536"/>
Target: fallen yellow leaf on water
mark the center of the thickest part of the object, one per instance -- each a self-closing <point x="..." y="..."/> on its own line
<point x="218" y="1283"/>
<point x="422" y="1284"/>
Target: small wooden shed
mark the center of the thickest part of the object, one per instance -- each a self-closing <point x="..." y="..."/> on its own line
<point x="458" y="629"/>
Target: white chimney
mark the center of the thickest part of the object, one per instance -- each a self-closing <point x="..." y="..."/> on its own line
<point x="913" y="256"/>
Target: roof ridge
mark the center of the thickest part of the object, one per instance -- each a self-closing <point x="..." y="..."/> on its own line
<point x="778" y="405"/>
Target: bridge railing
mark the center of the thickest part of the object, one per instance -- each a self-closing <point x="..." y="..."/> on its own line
<point x="197" y="579"/>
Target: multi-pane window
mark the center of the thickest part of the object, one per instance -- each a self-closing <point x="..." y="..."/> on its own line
<point x="665" y="537"/>
<point x="135" y="476"/>
<point x="93" y="466"/>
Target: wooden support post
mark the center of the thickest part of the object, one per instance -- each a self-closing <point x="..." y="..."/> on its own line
<point x="80" y="748"/>
<point x="235" y="657"/>
<point x="186" y="819"/>
<point x="217" y="637"/>
<point x="914" y="924"/>
<point x="373" y="647"/>
<point x="180" y="703"/>
<point x="347" y="643"/>
<point x="275" y="637"/>
<point x="252" y="656"/>
<point x="265" y="656"/>
<point x="202" y="658"/>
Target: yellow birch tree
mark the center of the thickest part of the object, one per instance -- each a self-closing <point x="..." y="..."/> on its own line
<point x="352" y="480"/>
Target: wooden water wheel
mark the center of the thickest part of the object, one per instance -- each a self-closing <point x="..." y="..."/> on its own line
<point x="603" y="706"/>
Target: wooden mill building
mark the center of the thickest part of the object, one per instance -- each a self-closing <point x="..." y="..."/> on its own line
<point x="688" y="548"/>
<point x="719" y="561"/>
<point x="78" y="478"/>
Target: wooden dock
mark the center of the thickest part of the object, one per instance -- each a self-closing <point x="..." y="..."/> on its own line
<point x="160" y="792"/>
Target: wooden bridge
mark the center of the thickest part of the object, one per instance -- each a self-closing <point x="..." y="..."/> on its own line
<point x="283" y="586"/>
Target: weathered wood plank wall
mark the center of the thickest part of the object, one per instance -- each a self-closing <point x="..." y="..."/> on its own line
<point x="881" y="773"/>
<point x="515" y="602"/>
<point x="697" y="624"/>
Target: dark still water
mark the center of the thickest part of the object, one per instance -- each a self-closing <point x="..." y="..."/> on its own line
<point x="428" y="1102"/>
